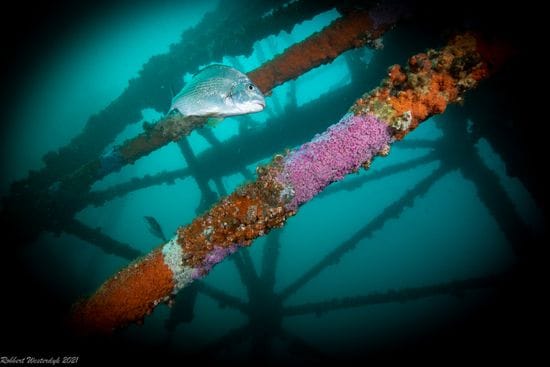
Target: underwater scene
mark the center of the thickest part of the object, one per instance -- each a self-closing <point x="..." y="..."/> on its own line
<point x="275" y="182"/>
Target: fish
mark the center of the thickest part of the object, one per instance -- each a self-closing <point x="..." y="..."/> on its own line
<point x="155" y="228"/>
<point x="218" y="91"/>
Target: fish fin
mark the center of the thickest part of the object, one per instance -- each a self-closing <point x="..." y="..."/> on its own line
<point x="171" y="108"/>
<point x="214" y="121"/>
<point x="172" y="93"/>
<point x="212" y="68"/>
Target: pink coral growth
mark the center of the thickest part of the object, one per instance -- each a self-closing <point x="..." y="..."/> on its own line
<point x="329" y="157"/>
<point x="217" y="254"/>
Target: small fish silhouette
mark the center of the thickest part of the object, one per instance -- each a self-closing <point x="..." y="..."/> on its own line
<point x="155" y="228"/>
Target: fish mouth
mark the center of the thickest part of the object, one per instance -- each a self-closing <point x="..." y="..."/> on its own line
<point x="252" y="106"/>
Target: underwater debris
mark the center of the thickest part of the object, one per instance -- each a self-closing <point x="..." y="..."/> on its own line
<point x="280" y="189"/>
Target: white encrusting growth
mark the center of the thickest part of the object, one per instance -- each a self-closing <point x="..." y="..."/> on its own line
<point x="403" y="122"/>
<point x="173" y="257"/>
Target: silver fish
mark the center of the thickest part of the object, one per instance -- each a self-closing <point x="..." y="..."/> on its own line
<point x="218" y="91"/>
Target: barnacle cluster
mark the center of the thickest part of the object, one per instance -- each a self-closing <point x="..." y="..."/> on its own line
<point x="431" y="81"/>
<point x="251" y="211"/>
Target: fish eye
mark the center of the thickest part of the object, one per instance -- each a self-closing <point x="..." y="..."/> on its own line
<point x="250" y="87"/>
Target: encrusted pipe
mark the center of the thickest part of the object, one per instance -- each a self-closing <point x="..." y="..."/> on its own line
<point x="404" y="99"/>
<point x="355" y="29"/>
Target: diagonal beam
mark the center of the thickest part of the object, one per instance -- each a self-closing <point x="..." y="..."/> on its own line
<point x="99" y="239"/>
<point x="207" y="195"/>
<point x="270" y="257"/>
<point x="453" y="288"/>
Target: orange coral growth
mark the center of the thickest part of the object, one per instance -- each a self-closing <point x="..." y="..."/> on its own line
<point x="249" y="212"/>
<point x="354" y="30"/>
<point x="231" y="221"/>
<point x="420" y="63"/>
<point x="127" y="297"/>
<point x="433" y="80"/>
<point x="445" y="85"/>
<point x="428" y="98"/>
<point x="408" y="101"/>
<point x="444" y="61"/>
<point x="396" y="75"/>
<point x="423" y="102"/>
<point x="462" y="44"/>
<point x="479" y="73"/>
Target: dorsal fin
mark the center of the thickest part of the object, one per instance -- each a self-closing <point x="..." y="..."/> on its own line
<point x="216" y="69"/>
